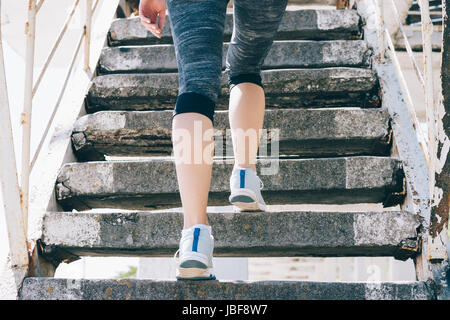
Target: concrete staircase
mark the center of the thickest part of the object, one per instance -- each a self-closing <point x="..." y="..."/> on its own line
<point x="335" y="146"/>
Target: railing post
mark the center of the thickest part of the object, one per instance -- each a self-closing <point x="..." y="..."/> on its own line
<point x="440" y="207"/>
<point x="381" y="32"/>
<point x="87" y="35"/>
<point x="15" y="221"/>
<point x="430" y="106"/>
<point x="30" y="32"/>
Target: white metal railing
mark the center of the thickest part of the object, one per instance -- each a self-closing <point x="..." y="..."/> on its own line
<point x="424" y="199"/>
<point x="15" y="222"/>
<point x="425" y="78"/>
<point x="15" y="195"/>
<point x="31" y="88"/>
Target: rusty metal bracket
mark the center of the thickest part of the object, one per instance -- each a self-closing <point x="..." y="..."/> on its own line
<point x="408" y="248"/>
<point x="383" y="146"/>
<point x="342" y="4"/>
<point x="394" y="197"/>
<point x="372" y="99"/>
<point x="55" y="255"/>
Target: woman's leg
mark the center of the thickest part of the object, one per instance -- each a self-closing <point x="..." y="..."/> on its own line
<point x="193" y="158"/>
<point x="246" y="115"/>
<point x="197" y="29"/>
<point x="249" y="46"/>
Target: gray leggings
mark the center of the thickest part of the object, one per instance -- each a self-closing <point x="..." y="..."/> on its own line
<point x="197" y="28"/>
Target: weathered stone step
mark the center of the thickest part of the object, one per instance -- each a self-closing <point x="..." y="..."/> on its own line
<point x="287" y="88"/>
<point x="296" y="24"/>
<point x="253" y="234"/>
<point x="133" y="289"/>
<point x="282" y="55"/>
<point x="153" y="184"/>
<point x="302" y="132"/>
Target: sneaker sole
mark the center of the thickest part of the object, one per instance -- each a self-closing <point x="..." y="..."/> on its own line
<point x="246" y="201"/>
<point x="194" y="267"/>
<point x="192" y="273"/>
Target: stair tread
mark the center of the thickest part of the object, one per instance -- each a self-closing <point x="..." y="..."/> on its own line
<point x="153" y="183"/>
<point x="285" y="88"/>
<point x="282" y="54"/>
<point x="274" y="233"/>
<point x="99" y="289"/>
<point x="304" y="132"/>
<point x="298" y="24"/>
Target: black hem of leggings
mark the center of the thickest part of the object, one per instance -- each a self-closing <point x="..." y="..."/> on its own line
<point x="245" y="77"/>
<point x="195" y="102"/>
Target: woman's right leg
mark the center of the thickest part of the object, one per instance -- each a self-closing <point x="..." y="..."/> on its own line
<point x="248" y="49"/>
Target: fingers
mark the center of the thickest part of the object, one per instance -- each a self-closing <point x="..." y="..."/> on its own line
<point x="150" y="26"/>
<point x="155" y="23"/>
<point x="162" y="19"/>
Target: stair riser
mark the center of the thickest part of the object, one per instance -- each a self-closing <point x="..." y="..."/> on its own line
<point x="289" y="88"/>
<point x="153" y="184"/>
<point x="282" y="54"/>
<point x="258" y="234"/>
<point x="131" y="289"/>
<point x="301" y="24"/>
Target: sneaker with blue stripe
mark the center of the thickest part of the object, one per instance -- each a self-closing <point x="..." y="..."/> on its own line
<point x="194" y="257"/>
<point x="245" y="186"/>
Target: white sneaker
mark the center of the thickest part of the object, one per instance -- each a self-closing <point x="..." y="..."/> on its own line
<point x="246" y="188"/>
<point x="195" y="254"/>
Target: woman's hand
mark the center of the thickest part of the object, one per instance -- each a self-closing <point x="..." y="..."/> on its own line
<point x="149" y="11"/>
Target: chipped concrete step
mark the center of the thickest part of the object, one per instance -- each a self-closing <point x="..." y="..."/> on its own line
<point x="253" y="234"/>
<point x="302" y="132"/>
<point x="287" y="88"/>
<point x="282" y="54"/>
<point x="133" y="289"/>
<point x="296" y="24"/>
<point x="153" y="184"/>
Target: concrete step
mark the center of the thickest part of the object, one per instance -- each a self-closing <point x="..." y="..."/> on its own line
<point x="133" y="289"/>
<point x="253" y="234"/>
<point x="296" y="24"/>
<point x="287" y="88"/>
<point x="282" y="55"/>
<point x="153" y="184"/>
<point x="302" y="132"/>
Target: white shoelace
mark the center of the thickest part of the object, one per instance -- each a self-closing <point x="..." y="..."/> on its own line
<point x="177" y="259"/>
<point x="261" y="184"/>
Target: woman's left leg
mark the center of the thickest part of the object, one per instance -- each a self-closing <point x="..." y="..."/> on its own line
<point x="197" y="28"/>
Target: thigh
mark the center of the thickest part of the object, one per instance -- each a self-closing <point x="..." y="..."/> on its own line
<point x="197" y="28"/>
<point x="255" y="26"/>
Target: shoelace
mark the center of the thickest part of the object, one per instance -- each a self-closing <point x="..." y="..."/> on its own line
<point x="261" y="184"/>
<point x="177" y="259"/>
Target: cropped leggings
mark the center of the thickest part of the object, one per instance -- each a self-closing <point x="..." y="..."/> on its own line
<point x="197" y="28"/>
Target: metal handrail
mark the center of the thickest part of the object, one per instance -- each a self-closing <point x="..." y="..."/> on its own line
<point x="407" y="44"/>
<point x="434" y="245"/>
<point x="31" y="88"/>
<point x="86" y="37"/>
<point x="56" y="45"/>
<point x="9" y="184"/>
<point x="425" y="78"/>
<point x="15" y="195"/>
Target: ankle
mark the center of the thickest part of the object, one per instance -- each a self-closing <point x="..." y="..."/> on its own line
<point x="200" y="224"/>
<point x="253" y="167"/>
